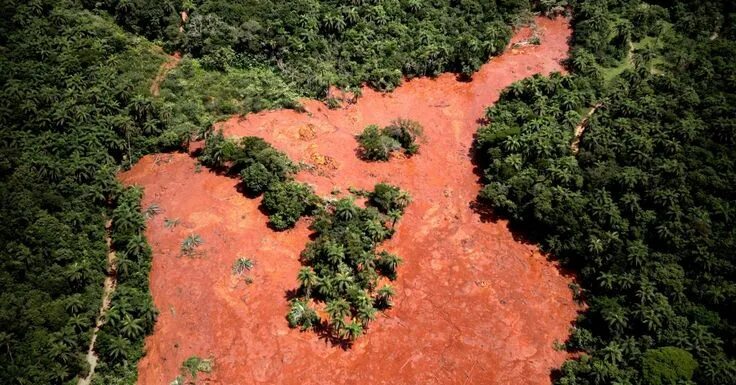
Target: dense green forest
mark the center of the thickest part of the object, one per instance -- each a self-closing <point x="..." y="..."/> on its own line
<point x="315" y="44"/>
<point x="643" y="207"/>
<point x="74" y="87"/>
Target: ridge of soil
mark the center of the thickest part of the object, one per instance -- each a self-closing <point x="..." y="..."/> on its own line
<point x="474" y="305"/>
<point x="108" y="289"/>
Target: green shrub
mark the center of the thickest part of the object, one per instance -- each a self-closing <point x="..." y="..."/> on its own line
<point x="667" y="366"/>
<point x="256" y="178"/>
<point x="389" y="198"/>
<point x="406" y="132"/>
<point x="378" y="144"/>
<point x="301" y="315"/>
<point x="195" y="365"/>
<point x="288" y="201"/>
<point x="242" y="265"/>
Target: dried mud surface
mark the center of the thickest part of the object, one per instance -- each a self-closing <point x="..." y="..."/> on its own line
<point x="473" y="305"/>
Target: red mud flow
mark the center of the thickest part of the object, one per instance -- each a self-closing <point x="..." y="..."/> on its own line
<point x="473" y="305"/>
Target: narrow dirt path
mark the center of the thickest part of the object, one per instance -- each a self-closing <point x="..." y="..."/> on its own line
<point x="109" y="288"/>
<point x="166" y="66"/>
<point x="575" y="146"/>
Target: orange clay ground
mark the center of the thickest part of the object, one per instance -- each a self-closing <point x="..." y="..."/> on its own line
<point x="473" y="305"/>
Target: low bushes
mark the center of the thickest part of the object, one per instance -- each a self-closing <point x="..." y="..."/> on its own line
<point x="288" y="201"/>
<point x="263" y="170"/>
<point x="377" y="143"/>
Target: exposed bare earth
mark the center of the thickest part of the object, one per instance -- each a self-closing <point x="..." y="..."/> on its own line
<point x="473" y="305"/>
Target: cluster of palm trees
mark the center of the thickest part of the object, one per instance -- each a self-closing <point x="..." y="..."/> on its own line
<point x="131" y="315"/>
<point x="343" y="272"/>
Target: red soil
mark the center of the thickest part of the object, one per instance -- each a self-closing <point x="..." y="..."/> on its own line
<point x="473" y="305"/>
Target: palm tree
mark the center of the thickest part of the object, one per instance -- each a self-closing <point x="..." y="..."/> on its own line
<point x="651" y="318"/>
<point x="582" y="61"/>
<point x="78" y="322"/>
<point x="78" y="272"/>
<point x="367" y="275"/>
<point x="613" y="354"/>
<point x="385" y="294"/>
<point x="358" y="297"/>
<point x="388" y="263"/>
<point x="616" y="319"/>
<point x="325" y="287"/>
<point x="394" y="215"/>
<point x="60" y="351"/>
<point x="123" y="265"/>
<point x="343" y="280"/>
<point x="301" y="314"/>
<point x="338" y="309"/>
<point x="646" y="292"/>
<point x="366" y="313"/>
<point x="335" y="252"/>
<point x="137" y="245"/>
<point x="572" y="118"/>
<point x="307" y="279"/>
<point x="351" y="14"/>
<point x="517" y="89"/>
<point x="334" y="22"/>
<point x="190" y="243"/>
<point x="126" y="220"/>
<point x="74" y="304"/>
<point x="402" y="200"/>
<point x="596" y="245"/>
<point x="117" y="348"/>
<point x="345" y="210"/>
<point x="414" y="5"/>
<point x="141" y="107"/>
<point x="606" y="280"/>
<point x="569" y="101"/>
<point x="7" y="340"/>
<point x="375" y="230"/>
<point x="242" y="264"/>
<point x="131" y="327"/>
<point x="59" y="372"/>
<point x="353" y="330"/>
<point x="148" y="313"/>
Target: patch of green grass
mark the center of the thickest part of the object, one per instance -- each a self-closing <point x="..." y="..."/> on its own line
<point x="197" y="98"/>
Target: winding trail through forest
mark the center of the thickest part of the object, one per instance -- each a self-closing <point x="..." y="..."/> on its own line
<point x="474" y="304"/>
<point x="580" y="128"/>
<point x="108" y="289"/>
<point x="166" y="66"/>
